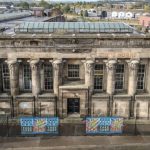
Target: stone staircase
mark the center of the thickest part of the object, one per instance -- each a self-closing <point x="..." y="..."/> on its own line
<point x="72" y="120"/>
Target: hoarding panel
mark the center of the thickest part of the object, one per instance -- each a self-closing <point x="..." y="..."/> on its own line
<point x="39" y="125"/>
<point x="104" y="125"/>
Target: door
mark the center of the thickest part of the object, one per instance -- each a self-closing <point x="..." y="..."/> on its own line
<point x="73" y="105"/>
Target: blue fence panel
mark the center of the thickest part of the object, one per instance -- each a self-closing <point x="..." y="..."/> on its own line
<point x="39" y="125"/>
<point x="104" y="125"/>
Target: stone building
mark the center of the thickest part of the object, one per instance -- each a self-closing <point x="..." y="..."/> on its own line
<point x="75" y="69"/>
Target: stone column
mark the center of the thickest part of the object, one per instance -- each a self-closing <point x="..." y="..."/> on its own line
<point x="89" y="74"/>
<point x="14" y="77"/>
<point x="110" y="65"/>
<point x="132" y="84"/>
<point x="89" y="82"/>
<point x="35" y="69"/>
<point x="1" y="86"/>
<point x="57" y="79"/>
<point x="132" y="76"/>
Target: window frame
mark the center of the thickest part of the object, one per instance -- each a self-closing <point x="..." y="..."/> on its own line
<point x="123" y="80"/>
<point x="5" y="77"/>
<point x="144" y="83"/>
<point x="44" y="65"/>
<point x="24" y="77"/>
<point x="102" y="77"/>
<point x="74" y="71"/>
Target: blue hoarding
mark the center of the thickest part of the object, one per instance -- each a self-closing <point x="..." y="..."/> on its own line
<point x="39" y="125"/>
<point x="104" y="125"/>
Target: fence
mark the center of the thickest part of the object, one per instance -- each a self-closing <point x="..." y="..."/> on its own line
<point x="11" y="127"/>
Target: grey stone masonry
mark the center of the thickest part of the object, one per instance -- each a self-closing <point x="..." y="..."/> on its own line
<point x="132" y="76"/>
<point x="14" y="76"/>
<point x="35" y="77"/>
<point x="57" y="75"/>
<point x="110" y="64"/>
<point x="89" y="69"/>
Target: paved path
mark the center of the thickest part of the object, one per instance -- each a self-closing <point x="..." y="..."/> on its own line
<point x="76" y="142"/>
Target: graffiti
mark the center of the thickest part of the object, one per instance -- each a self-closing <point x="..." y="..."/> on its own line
<point x="104" y="125"/>
<point x="39" y="125"/>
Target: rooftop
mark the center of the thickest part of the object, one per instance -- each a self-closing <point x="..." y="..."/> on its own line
<point x="74" y="27"/>
<point x="11" y="16"/>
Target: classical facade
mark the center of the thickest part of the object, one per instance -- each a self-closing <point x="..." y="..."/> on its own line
<point x="75" y="75"/>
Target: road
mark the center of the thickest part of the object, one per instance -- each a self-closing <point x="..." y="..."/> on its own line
<point x="76" y="143"/>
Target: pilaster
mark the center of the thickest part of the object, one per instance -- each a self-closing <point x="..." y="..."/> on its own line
<point x="132" y="76"/>
<point x="14" y="76"/>
<point x="110" y="65"/>
<point x="89" y="73"/>
<point x="57" y="79"/>
<point x="35" y="69"/>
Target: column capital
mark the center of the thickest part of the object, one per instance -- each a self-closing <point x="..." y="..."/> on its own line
<point x="110" y="64"/>
<point x="34" y="63"/>
<point x="133" y="63"/>
<point x="56" y="63"/>
<point x="89" y="65"/>
<point x="11" y="62"/>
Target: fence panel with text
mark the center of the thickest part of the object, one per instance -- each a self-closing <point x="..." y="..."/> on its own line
<point x="39" y="125"/>
<point x="104" y="125"/>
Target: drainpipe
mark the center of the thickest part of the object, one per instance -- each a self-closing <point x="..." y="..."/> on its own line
<point x="12" y="106"/>
<point x="88" y="102"/>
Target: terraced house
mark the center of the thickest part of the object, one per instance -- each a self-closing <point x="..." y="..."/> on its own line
<point x="75" y="69"/>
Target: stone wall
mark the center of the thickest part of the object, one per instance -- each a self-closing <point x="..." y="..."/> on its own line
<point x="85" y="50"/>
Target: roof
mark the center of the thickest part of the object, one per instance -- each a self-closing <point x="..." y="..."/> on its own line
<point x="37" y="8"/>
<point x="10" y="16"/>
<point x="73" y="27"/>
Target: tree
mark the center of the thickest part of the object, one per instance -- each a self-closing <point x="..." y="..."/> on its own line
<point x="85" y="13"/>
<point x="24" y="5"/>
<point x="44" y="4"/>
<point x="147" y="8"/>
<point x="33" y="5"/>
<point x="66" y="8"/>
<point x="81" y="13"/>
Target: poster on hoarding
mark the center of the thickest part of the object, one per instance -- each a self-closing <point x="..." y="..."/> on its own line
<point x="104" y="125"/>
<point x="39" y="125"/>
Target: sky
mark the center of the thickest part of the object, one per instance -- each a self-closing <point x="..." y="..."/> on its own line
<point x="74" y="0"/>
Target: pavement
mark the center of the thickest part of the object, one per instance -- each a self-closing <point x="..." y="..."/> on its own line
<point x="76" y="143"/>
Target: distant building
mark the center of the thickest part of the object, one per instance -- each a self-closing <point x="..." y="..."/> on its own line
<point x="144" y="21"/>
<point x="38" y="11"/>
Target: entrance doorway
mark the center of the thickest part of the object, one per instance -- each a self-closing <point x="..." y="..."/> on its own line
<point x="73" y="105"/>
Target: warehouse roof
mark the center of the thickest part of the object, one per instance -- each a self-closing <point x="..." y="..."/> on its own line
<point x="13" y="16"/>
<point x="74" y="27"/>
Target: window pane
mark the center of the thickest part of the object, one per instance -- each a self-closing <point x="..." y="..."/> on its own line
<point x="48" y="77"/>
<point x="141" y="77"/>
<point x="98" y="77"/>
<point x="27" y="77"/>
<point x="119" y="77"/>
<point x="6" y="77"/>
<point x="73" y="71"/>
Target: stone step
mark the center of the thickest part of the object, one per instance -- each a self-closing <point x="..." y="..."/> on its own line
<point x="72" y="120"/>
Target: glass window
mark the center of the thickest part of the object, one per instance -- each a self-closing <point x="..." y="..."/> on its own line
<point x="27" y="77"/>
<point x="119" y="77"/>
<point x="141" y="77"/>
<point x="5" y="77"/>
<point x="48" y="77"/>
<point x="73" y="71"/>
<point x="98" y="77"/>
